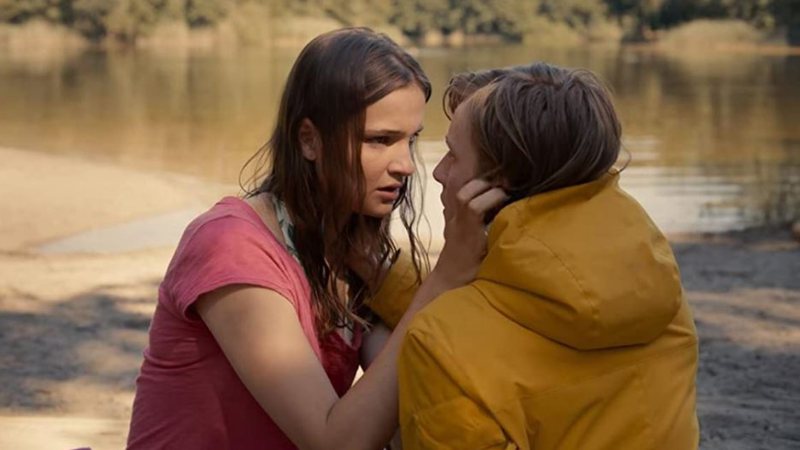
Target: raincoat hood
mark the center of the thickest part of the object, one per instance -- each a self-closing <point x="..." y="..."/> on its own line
<point x="576" y="265"/>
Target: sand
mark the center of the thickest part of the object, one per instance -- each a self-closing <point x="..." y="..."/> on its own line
<point x="83" y="246"/>
<point x="744" y="288"/>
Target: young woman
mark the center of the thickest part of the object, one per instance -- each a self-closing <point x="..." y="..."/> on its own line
<point x="575" y="333"/>
<point x="259" y="325"/>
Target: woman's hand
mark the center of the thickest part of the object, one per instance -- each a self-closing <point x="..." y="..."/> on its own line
<point x="465" y="234"/>
<point x="465" y="231"/>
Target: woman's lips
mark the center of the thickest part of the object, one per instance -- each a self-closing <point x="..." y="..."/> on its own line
<point x="389" y="193"/>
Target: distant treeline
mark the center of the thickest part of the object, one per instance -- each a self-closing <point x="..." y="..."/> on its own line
<point x="507" y="20"/>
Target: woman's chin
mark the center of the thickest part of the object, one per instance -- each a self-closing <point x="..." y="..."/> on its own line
<point x="377" y="211"/>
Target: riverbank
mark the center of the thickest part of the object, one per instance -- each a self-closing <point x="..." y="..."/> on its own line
<point x="75" y="308"/>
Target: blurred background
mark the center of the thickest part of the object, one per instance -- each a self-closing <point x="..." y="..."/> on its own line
<point x="707" y="89"/>
<point x="120" y="120"/>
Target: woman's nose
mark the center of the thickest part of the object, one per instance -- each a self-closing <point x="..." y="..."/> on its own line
<point x="402" y="162"/>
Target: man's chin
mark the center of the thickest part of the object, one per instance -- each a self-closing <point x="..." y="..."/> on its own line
<point x="446" y="214"/>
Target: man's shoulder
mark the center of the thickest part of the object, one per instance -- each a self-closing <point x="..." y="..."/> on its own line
<point x="457" y="313"/>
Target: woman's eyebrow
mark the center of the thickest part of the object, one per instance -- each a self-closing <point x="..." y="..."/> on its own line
<point x="388" y="132"/>
<point x="384" y="132"/>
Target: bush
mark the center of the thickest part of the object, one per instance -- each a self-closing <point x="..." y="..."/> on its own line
<point x="545" y="32"/>
<point x="603" y="31"/>
<point x="701" y="33"/>
<point x="254" y="24"/>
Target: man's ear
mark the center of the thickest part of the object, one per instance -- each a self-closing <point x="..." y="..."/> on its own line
<point x="310" y="141"/>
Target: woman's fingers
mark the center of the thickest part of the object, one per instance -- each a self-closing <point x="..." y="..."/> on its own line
<point x="472" y="189"/>
<point x="488" y="201"/>
<point x="465" y="232"/>
<point x="479" y="196"/>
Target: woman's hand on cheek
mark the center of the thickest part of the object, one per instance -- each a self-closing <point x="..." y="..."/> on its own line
<point x="465" y="232"/>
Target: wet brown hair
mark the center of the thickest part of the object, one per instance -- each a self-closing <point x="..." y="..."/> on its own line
<point x="538" y="127"/>
<point x="333" y="81"/>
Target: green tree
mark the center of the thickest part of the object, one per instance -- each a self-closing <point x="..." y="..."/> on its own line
<point x="359" y="12"/>
<point x="131" y="19"/>
<point x="757" y="12"/>
<point x="575" y="13"/>
<point x="19" y="11"/>
<point x="509" y="18"/>
<point x="89" y="17"/>
<point x="206" y="12"/>
<point x="638" y="17"/>
<point x="416" y="17"/>
<point x="787" y="13"/>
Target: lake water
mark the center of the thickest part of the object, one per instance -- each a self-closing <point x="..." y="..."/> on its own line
<point x="714" y="137"/>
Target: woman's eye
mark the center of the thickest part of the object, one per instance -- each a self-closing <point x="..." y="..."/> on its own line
<point x="381" y="140"/>
<point x="413" y="139"/>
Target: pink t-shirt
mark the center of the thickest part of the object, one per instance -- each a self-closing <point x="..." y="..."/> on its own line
<point x="187" y="394"/>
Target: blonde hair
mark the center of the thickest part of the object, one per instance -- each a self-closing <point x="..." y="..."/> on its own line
<point x="539" y="127"/>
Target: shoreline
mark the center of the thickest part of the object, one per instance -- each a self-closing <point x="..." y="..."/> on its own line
<point x="75" y="323"/>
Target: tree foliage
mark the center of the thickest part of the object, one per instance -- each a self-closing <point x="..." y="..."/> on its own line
<point x="508" y="19"/>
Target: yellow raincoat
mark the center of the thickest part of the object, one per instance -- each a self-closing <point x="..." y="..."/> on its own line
<point x="575" y="335"/>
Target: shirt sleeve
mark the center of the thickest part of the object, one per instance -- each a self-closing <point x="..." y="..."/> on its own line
<point x="224" y="251"/>
<point x="394" y="296"/>
<point x="435" y="413"/>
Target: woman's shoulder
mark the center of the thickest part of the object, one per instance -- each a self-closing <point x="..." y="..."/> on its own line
<point x="228" y="244"/>
<point x="229" y="237"/>
<point x="228" y="214"/>
<point x="231" y="225"/>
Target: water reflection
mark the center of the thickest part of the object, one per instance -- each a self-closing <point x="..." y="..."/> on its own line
<point x="714" y="137"/>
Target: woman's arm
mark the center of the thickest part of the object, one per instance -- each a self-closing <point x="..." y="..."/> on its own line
<point x="259" y="333"/>
<point x="373" y="343"/>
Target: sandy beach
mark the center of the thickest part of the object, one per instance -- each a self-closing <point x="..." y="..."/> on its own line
<point x="83" y="246"/>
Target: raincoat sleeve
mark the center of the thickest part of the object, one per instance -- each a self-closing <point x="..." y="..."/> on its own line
<point x="435" y="413"/>
<point x="391" y="301"/>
